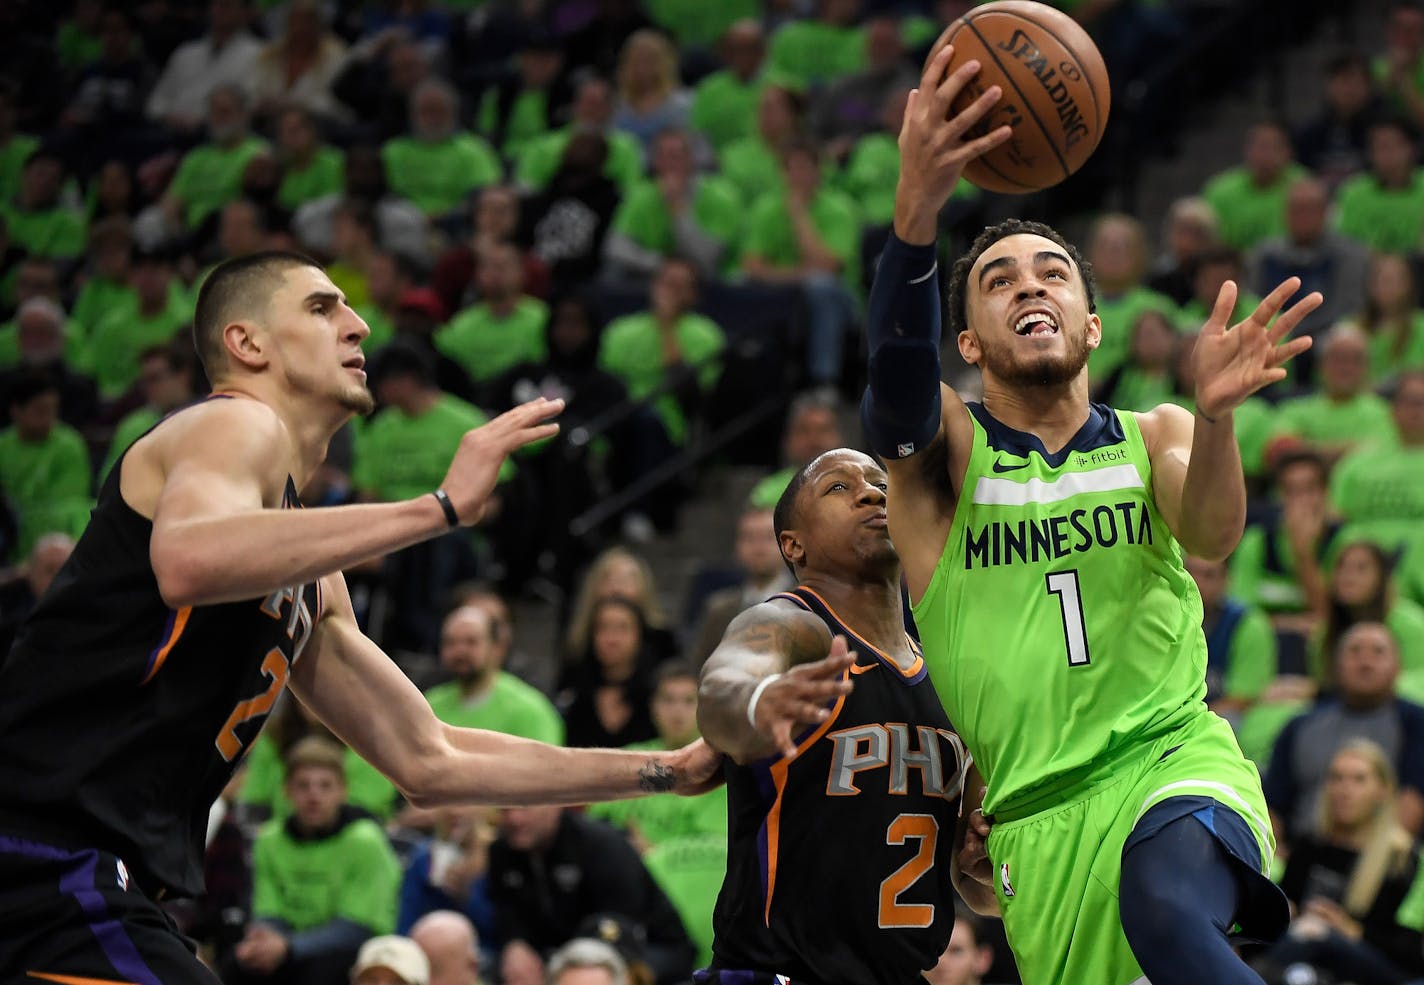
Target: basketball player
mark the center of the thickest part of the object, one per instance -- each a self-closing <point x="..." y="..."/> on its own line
<point x="1042" y="537"/>
<point x="196" y="594"/>
<point x="841" y="836"/>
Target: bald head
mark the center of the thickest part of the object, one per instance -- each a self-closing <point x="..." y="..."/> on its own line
<point x="450" y="942"/>
<point x="1307" y="202"/>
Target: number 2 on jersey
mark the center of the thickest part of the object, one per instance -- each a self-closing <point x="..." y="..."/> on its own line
<point x="274" y="666"/>
<point x="924" y="829"/>
<point x="1064" y="584"/>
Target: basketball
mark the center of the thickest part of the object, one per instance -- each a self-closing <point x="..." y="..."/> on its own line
<point x="1055" y="92"/>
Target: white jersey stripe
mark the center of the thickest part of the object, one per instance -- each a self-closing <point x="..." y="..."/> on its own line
<point x="989" y="491"/>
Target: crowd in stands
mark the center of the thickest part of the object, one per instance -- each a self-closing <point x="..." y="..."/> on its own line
<point x="665" y="212"/>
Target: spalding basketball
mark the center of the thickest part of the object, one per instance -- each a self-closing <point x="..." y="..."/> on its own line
<point x="1055" y="92"/>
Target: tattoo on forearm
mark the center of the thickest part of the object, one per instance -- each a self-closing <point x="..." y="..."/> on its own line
<point x="654" y="777"/>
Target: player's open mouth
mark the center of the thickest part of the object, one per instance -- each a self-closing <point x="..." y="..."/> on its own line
<point x="1036" y="323"/>
<point x="877" y="520"/>
<point x="357" y="363"/>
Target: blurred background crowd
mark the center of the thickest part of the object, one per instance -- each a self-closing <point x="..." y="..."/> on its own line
<point x="668" y="213"/>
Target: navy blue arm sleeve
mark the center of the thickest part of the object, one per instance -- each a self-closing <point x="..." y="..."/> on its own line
<point x="901" y="407"/>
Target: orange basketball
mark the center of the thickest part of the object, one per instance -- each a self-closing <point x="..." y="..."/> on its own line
<point x="1055" y="92"/>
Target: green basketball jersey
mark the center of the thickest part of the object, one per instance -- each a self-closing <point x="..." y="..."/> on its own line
<point x="1060" y="626"/>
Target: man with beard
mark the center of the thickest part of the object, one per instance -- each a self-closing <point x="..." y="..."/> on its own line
<point x="1042" y="537"/>
<point x="197" y="592"/>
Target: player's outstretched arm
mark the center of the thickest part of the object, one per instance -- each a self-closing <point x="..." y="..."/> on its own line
<point x="775" y="673"/>
<point x="372" y="706"/>
<point x="206" y="479"/>
<point x="1197" y="480"/>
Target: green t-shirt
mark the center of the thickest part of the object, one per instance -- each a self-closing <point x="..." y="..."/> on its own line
<point x="13" y="155"/>
<point x="527" y="120"/>
<point x="1317" y="419"/>
<point x="870" y="174"/>
<point x="1386" y="220"/>
<point x="75" y="47"/>
<point x="1248" y="213"/>
<point x="541" y="156"/>
<point x="399" y="457"/>
<point x="771" y="236"/>
<point x="690" y="870"/>
<point x="632" y="351"/>
<point x="724" y="107"/>
<point x="1141" y="391"/>
<point x="352" y="875"/>
<point x="716" y="208"/>
<point x="1254" y="421"/>
<point x="1251" y="657"/>
<point x="697" y="23"/>
<point x="210" y="176"/>
<point x="1380" y="493"/>
<point x="1118" y="315"/>
<point x="768" y="490"/>
<point x="1257" y="585"/>
<point x="438" y="176"/>
<point x="323" y="175"/>
<point x="47" y="483"/>
<point x="1384" y="364"/>
<point x="1058" y="564"/>
<point x="487" y="345"/>
<point x="381" y="326"/>
<point x="120" y="336"/>
<point x="132" y="427"/>
<point x="54" y="233"/>
<point x="100" y="297"/>
<point x="264" y="782"/>
<point x="511" y="706"/>
<point x="750" y="164"/>
<point x="1193" y="315"/>
<point x="808" y="52"/>
<point x="667" y="816"/>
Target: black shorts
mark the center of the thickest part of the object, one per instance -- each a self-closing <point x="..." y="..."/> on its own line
<point x="70" y="916"/>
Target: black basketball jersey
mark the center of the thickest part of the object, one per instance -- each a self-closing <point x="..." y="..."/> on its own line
<point x="838" y="859"/>
<point x="121" y="719"/>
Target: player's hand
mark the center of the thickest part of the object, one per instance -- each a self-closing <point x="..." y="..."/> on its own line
<point x="933" y="148"/>
<point x="1231" y="364"/>
<point x="800" y="695"/>
<point x="482" y="451"/>
<point x="697" y="768"/>
<point x="974" y="855"/>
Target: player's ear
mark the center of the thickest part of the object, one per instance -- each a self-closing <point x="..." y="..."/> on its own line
<point x="969" y="346"/>
<point x="1095" y="331"/>
<point x="244" y="344"/>
<point x="791" y="548"/>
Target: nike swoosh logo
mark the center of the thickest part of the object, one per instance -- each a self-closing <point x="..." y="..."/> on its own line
<point x="76" y="979"/>
<point x="1001" y="466"/>
<point x="858" y="669"/>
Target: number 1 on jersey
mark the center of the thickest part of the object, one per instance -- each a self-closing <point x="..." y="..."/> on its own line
<point x="1064" y="584"/>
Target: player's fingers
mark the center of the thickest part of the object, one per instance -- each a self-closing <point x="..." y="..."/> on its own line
<point x="527" y="436"/>
<point x="1294" y="315"/>
<point x="950" y="86"/>
<point x="978" y="147"/>
<point x="781" y="737"/>
<point x="1221" y="311"/>
<point x="969" y="117"/>
<point x="935" y="68"/>
<point x="1283" y="354"/>
<point x="1273" y="302"/>
<point x="527" y="413"/>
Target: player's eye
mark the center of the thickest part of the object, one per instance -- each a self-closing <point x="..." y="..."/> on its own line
<point x="998" y="282"/>
<point x="834" y="486"/>
<point x="882" y="484"/>
<point x="1055" y="272"/>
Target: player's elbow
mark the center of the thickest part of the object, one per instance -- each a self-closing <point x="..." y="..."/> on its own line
<point x="181" y="578"/>
<point x="423" y="772"/>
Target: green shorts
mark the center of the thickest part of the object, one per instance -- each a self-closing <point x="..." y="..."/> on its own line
<point x="1058" y="867"/>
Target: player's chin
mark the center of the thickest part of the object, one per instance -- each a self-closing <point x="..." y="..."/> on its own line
<point x="357" y="398"/>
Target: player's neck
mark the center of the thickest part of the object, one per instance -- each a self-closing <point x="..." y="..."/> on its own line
<point x="1054" y="414"/>
<point x="870" y="607"/>
<point x="310" y="423"/>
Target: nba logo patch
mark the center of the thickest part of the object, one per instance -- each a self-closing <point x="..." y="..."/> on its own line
<point x="123" y="875"/>
<point x="1004" y="879"/>
<point x="905" y="450"/>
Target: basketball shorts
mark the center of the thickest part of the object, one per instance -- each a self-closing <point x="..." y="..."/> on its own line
<point x="71" y="917"/>
<point x="1057" y="868"/>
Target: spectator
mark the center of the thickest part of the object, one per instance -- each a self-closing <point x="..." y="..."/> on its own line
<point x="496" y="221"/>
<point x="1333" y="143"/>
<point x="1360" y="591"/>
<point x="724" y="104"/>
<point x="551" y="869"/>
<point x="387" y="277"/>
<point x="225" y="56"/>
<point x="210" y="175"/>
<point x="310" y="169"/>
<point x="438" y="165"/>
<point x="403" y="228"/>
<point x="44" y="465"/>
<point x="517" y="110"/>
<point x="112" y="194"/>
<point x="872" y="166"/>
<point x="159" y="309"/>
<point x="618" y="573"/>
<point x="36" y="218"/>
<point x="1117" y="249"/>
<point x="167" y="377"/>
<point x="604" y="696"/>
<point x="505" y="327"/>
<point x="419" y="315"/>
<point x="1391" y="318"/>
<point x="812" y="429"/>
<point x="448" y="872"/>
<point x="1364" y="705"/>
<point x="582" y="961"/>
<point x="809" y="235"/>
<point x="1345" y="414"/>
<point x="753" y="162"/>
<point x="696" y="26"/>
<point x="299" y="67"/>
<point x="1324" y="260"/>
<point x="1191" y="229"/>
<point x="852" y="107"/>
<point x="1213" y="268"/>
<point x="656" y="820"/>
<point x="1250" y="199"/>
<point x="452" y="946"/>
<point x="967" y="957"/>
<point x="353" y="243"/>
<point x="42" y="339"/>
<point x="1383" y="208"/>
<point x="1400" y="70"/>
<point x="324" y="880"/>
<point x="1240" y="646"/>
<point x="106" y="113"/>
<point x="482" y="694"/>
<point x="1348" y="879"/>
<point x="109" y="260"/>
<point x="592" y="116"/>
<point x="1148" y="377"/>
<point x="565" y="224"/>
<point x="820" y="49"/>
<point x="650" y="97"/>
<point x="597" y="44"/>
<point x="763" y="574"/>
<point x="391" y="960"/>
<point x="15" y="147"/>
<point x="18" y="596"/>
<point x="376" y="83"/>
<point x="676" y="212"/>
<point x="1377" y="488"/>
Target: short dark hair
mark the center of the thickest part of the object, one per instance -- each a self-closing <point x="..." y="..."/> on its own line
<point x="242" y="284"/>
<point x="959" y="276"/>
<point x="673" y="670"/>
<point x="1303" y="456"/>
<point x="32" y="384"/>
<point x="402" y="357"/>
<point x="783" y="516"/>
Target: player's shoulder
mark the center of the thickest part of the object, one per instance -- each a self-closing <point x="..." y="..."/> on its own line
<point x="783" y="625"/>
<point x="1165" y="424"/>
